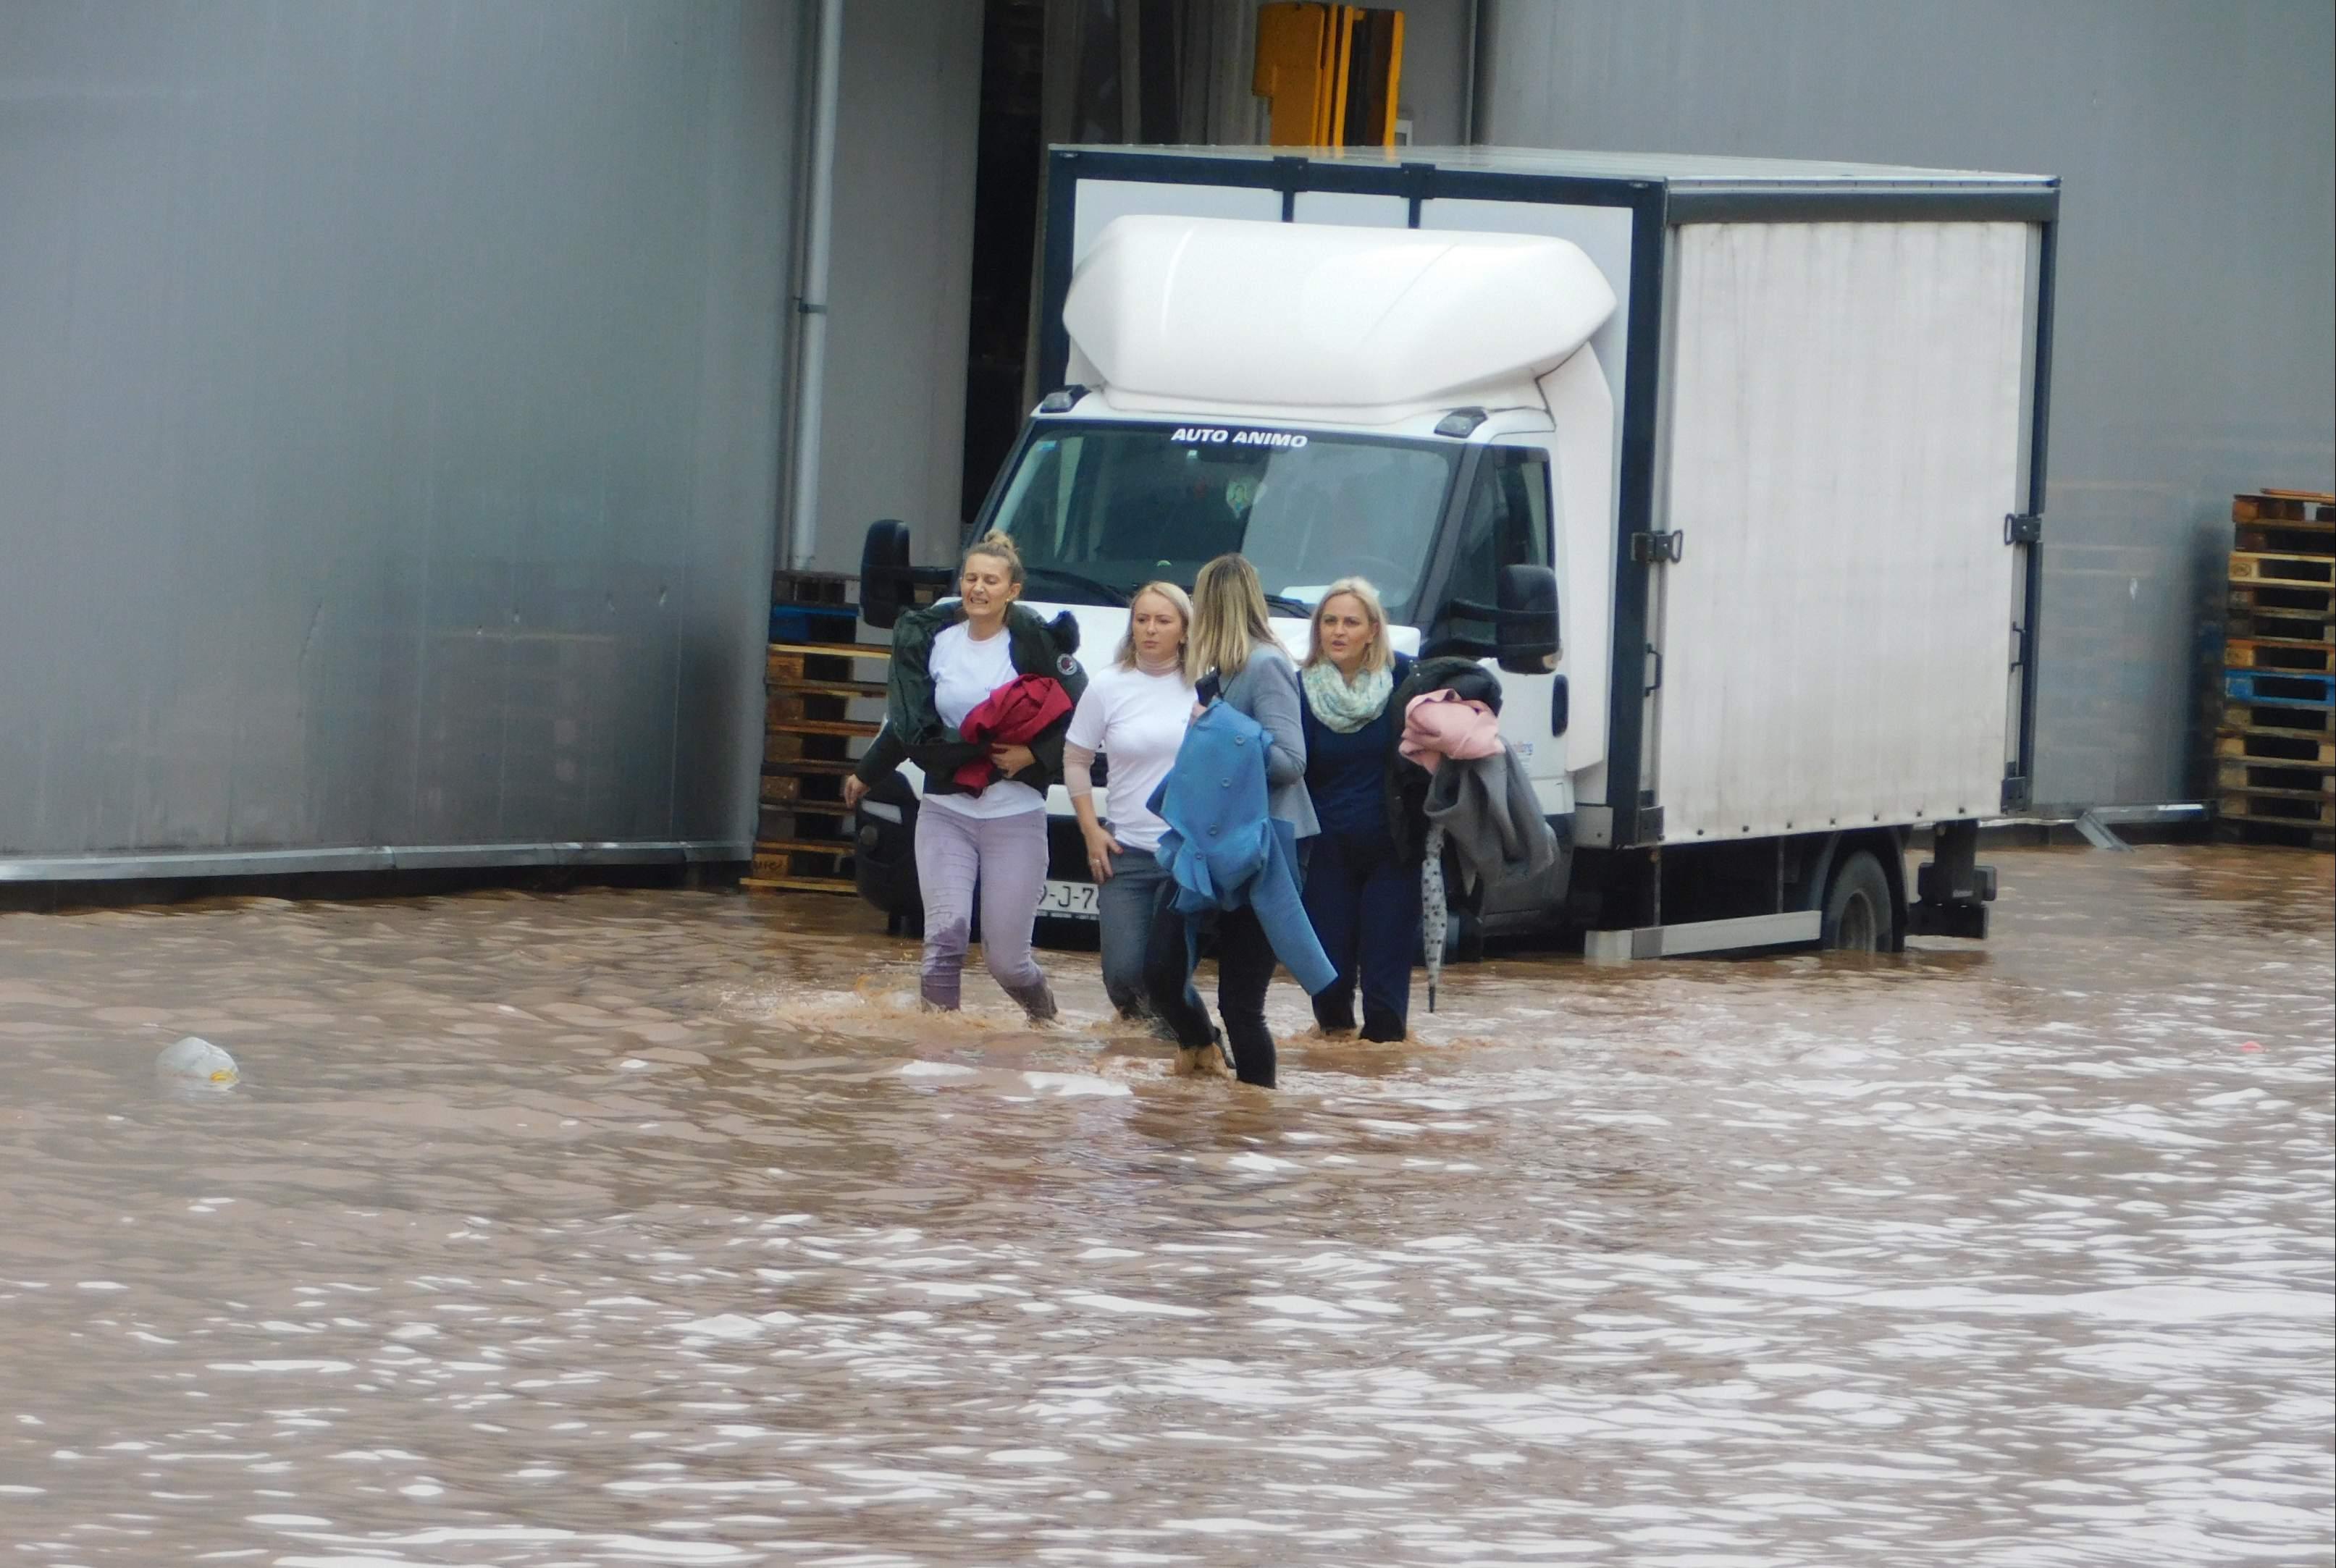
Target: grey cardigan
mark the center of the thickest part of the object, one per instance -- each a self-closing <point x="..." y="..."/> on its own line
<point x="1267" y="690"/>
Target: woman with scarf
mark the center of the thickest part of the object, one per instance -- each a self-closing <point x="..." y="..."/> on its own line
<point x="983" y="819"/>
<point x="1362" y="880"/>
<point x="1134" y="714"/>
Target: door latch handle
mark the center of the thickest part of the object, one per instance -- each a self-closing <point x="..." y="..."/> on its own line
<point x="1660" y="548"/>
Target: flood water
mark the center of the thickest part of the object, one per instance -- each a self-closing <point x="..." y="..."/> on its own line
<point x="626" y="1227"/>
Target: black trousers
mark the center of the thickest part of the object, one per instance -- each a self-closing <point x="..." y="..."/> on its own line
<point x="1244" y="969"/>
<point x="1364" y="902"/>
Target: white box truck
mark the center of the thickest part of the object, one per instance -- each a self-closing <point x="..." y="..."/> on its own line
<point x="1733" y="467"/>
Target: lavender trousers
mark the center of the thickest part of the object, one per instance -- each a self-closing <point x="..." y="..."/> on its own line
<point x="1006" y="856"/>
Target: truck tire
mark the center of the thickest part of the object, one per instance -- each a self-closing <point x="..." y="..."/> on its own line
<point x="1857" y="911"/>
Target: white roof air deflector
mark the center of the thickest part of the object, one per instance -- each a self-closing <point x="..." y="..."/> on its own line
<point x="1362" y="326"/>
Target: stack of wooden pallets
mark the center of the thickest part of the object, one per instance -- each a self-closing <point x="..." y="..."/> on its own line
<point x="810" y="735"/>
<point x="2275" y="749"/>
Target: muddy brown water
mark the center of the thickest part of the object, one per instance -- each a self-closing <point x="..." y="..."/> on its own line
<point x="626" y="1227"/>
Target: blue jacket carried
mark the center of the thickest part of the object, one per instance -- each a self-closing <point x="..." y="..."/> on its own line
<point x="1221" y="849"/>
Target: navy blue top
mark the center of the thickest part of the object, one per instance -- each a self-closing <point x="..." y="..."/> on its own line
<point x="1346" y="774"/>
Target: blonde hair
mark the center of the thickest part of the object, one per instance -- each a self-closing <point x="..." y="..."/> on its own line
<point x="1380" y="654"/>
<point x="997" y="548"/>
<point x="1229" y="619"/>
<point x="1178" y="601"/>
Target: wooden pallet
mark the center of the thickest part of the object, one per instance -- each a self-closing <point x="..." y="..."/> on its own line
<point x="2245" y="775"/>
<point x="2285" y="538"/>
<point x="803" y="865"/>
<point x="2280" y="654"/>
<point x="798" y="651"/>
<point x="809" y="737"/>
<point x="780" y="816"/>
<point x="800" y="857"/>
<point x="2290" y="598"/>
<point x="2277" y="745"/>
<point x="2278" y="721"/>
<point x="799" y="884"/>
<point x="2264" y="566"/>
<point x="2278" y="625"/>
<point x="804" y="767"/>
<point x="2288" y="505"/>
<point x="2296" y="808"/>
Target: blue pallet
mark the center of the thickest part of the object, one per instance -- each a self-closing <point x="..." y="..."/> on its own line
<point x="811" y="623"/>
<point x="2280" y="688"/>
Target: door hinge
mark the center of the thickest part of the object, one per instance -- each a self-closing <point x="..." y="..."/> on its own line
<point x="1660" y="548"/>
<point x="2017" y="796"/>
<point x="2023" y="527"/>
<point x="1655" y="663"/>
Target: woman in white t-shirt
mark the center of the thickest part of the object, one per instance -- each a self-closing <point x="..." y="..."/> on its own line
<point x="991" y="836"/>
<point x="1134" y="714"/>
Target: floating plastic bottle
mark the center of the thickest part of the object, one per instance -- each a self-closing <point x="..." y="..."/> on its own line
<point x="196" y="1061"/>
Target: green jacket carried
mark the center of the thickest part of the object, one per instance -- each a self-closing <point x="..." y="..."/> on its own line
<point x="913" y="730"/>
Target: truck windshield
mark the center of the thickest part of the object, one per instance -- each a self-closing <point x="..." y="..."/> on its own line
<point x="1099" y="509"/>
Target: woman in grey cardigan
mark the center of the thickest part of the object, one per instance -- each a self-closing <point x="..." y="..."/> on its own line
<point x="1231" y="647"/>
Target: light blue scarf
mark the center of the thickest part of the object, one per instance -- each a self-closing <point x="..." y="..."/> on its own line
<point x="1346" y="706"/>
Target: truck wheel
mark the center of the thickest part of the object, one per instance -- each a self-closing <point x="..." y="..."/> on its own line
<point x="1857" y="906"/>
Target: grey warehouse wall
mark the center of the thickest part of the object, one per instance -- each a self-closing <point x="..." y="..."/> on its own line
<point x="388" y="422"/>
<point x="892" y="424"/>
<point x="2195" y="352"/>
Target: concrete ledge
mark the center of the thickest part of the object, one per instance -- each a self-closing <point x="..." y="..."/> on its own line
<point x="173" y="864"/>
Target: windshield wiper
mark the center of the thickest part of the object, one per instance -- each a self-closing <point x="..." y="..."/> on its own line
<point x="1103" y="592"/>
<point x="1283" y="601"/>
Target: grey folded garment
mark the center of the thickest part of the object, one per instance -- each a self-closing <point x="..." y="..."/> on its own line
<point x="1490" y="816"/>
<point x="1485" y="810"/>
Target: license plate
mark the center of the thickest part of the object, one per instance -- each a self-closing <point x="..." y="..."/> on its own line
<point x="1073" y="900"/>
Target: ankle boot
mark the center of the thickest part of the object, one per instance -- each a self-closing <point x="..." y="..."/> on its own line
<point x="1037" y="999"/>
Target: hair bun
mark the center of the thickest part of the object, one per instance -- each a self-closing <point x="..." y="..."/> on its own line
<point x="998" y="547"/>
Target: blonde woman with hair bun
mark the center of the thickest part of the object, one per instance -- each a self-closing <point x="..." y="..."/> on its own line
<point x="947" y="662"/>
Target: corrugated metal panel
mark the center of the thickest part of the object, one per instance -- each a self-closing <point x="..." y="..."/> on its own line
<point x="2194" y="324"/>
<point x="1844" y="444"/>
<point x="388" y="412"/>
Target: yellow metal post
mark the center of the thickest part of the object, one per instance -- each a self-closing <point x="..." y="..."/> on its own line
<point x="1342" y="55"/>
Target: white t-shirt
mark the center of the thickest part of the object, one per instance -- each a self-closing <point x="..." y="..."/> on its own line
<point x="965" y="673"/>
<point x="1138" y="721"/>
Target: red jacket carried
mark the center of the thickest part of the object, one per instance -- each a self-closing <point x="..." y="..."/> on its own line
<point x="1016" y="714"/>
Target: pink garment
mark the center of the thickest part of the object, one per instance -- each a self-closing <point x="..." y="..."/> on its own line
<point x="1440" y="724"/>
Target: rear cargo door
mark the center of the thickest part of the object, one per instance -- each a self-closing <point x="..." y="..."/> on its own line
<point x="1844" y="441"/>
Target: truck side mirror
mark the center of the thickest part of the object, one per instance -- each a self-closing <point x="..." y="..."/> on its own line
<point x="885" y="576"/>
<point x="1526" y="628"/>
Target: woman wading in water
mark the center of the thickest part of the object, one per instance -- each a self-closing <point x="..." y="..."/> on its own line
<point x="949" y="661"/>
<point x="1134" y="714"/>
<point x="1232" y="656"/>
<point x="1362" y="881"/>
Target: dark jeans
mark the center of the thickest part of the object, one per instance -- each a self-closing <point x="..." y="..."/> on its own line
<point x="1365" y="905"/>
<point x="1127" y="905"/>
<point x="1244" y="968"/>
